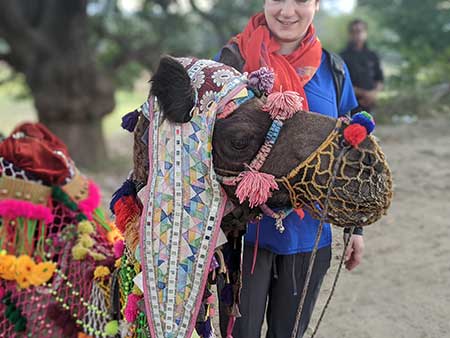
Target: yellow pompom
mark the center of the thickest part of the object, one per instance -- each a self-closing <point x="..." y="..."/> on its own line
<point x="137" y="291"/>
<point x="112" y="328"/>
<point x="97" y="256"/>
<point x="8" y="267"/>
<point x="101" y="271"/>
<point x="86" y="241"/>
<point x="79" y="252"/>
<point x="118" y="263"/>
<point x="85" y="227"/>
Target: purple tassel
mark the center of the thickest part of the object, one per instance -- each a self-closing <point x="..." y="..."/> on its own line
<point x="128" y="188"/>
<point x="262" y="80"/>
<point x="204" y="329"/>
<point x="130" y="120"/>
<point x="226" y="295"/>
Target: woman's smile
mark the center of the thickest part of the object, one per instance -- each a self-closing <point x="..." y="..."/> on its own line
<point x="287" y="23"/>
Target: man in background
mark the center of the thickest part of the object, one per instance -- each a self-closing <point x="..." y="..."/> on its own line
<point x="364" y="66"/>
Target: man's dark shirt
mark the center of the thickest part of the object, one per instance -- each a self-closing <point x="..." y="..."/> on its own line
<point x="364" y="67"/>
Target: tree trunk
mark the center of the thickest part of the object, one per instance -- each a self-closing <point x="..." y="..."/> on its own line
<point x="49" y="44"/>
<point x="84" y="140"/>
<point x="72" y="97"/>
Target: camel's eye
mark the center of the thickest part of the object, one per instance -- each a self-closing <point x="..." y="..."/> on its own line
<point x="240" y="143"/>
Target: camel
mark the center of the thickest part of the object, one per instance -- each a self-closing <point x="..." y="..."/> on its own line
<point x="192" y="186"/>
<point x="310" y="165"/>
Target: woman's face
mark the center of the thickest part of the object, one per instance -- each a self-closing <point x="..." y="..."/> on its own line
<point x="288" y="20"/>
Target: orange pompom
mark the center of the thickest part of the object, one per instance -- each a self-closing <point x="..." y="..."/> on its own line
<point x="355" y="134"/>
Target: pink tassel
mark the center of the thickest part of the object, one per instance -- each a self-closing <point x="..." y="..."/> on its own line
<point x="12" y="209"/>
<point x="255" y="186"/>
<point x="230" y="326"/>
<point x="283" y="104"/>
<point x="131" y="309"/>
<point x="229" y="108"/>
<point x="211" y="299"/>
<point x="2" y="292"/>
<point x="88" y="205"/>
<point x="119" y="247"/>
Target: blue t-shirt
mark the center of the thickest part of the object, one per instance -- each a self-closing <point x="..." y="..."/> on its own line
<point x="299" y="235"/>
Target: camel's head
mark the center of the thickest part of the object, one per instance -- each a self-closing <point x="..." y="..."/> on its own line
<point x="309" y="159"/>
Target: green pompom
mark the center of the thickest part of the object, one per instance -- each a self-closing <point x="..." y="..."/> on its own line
<point x="14" y="316"/>
<point x="112" y="328"/>
<point x="20" y="325"/>
<point x="81" y="217"/>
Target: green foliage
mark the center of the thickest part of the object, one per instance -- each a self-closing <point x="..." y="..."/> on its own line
<point x="130" y="41"/>
<point x="420" y="32"/>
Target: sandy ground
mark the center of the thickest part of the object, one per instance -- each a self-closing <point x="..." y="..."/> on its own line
<point x="402" y="288"/>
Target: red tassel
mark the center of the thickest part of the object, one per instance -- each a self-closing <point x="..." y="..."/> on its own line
<point x="300" y="213"/>
<point x="355" y="134"/>
<point x="127" y="210"/>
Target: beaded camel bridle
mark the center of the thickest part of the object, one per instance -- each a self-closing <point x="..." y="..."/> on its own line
<point x="309" y="182"/>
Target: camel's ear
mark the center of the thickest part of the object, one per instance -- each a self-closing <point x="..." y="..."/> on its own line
<point x="172" y="86"/>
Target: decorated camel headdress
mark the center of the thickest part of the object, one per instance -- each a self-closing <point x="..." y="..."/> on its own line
<point x="54" y="241"/>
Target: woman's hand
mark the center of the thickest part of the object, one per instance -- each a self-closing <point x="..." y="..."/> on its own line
<point x="354" y="252"/>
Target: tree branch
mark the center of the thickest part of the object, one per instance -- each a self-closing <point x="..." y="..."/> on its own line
<point x="21" y="37"/>
<point x="142" y="54"/>
<point x="211" y="18"/>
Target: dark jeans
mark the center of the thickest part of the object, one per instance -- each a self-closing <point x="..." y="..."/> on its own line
<point x="276" y="283"/>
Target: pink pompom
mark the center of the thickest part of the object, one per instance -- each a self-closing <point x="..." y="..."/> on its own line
<point x="211" y="300"/>
<point x="2" y="292"/>
<point x="283" y="104"/>
<point x="11" y="209"/>
<point x="119" y="247"/>
<point x="131" y="309"/>
<point x="88" y="205"/>
<point x="255" y="186"/>
<point x="354" y="134"/>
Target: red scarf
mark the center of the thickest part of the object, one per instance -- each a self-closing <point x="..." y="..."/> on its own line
<point x="292" y="72"/>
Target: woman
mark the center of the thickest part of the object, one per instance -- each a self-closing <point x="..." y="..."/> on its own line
<point x="283" y="38"/>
